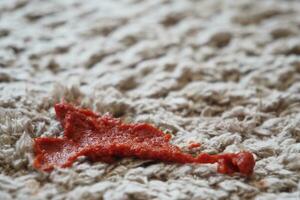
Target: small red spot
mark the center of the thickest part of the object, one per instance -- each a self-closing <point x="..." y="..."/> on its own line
<point x="193" y="145"/>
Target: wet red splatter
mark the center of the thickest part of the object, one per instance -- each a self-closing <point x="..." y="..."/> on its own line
<point x="103" y="138"/>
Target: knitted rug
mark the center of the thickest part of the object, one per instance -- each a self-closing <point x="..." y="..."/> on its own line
<point x="223" y="73"/>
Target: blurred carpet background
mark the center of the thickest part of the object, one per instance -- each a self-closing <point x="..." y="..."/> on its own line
<point x="225" y="74"/>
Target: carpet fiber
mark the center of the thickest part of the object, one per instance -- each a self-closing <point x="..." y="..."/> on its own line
<point x="225" y="74"/>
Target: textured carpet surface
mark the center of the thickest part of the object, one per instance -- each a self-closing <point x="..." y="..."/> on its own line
<point x="225" y="74"/>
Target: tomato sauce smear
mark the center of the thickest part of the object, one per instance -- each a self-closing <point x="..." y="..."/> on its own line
<point x="104" y="138"/>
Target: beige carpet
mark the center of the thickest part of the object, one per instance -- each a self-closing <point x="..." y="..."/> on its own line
<point x="222" y="73"/>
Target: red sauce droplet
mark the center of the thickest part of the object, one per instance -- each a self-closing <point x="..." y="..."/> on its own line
<point x="103" y="138"/>
<point x="193" y="145"/>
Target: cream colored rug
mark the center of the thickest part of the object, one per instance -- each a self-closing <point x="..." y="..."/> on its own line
<point x="225" y="74"/>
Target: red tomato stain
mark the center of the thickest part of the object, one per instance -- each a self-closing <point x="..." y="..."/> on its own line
<point x="103" y="138"/>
